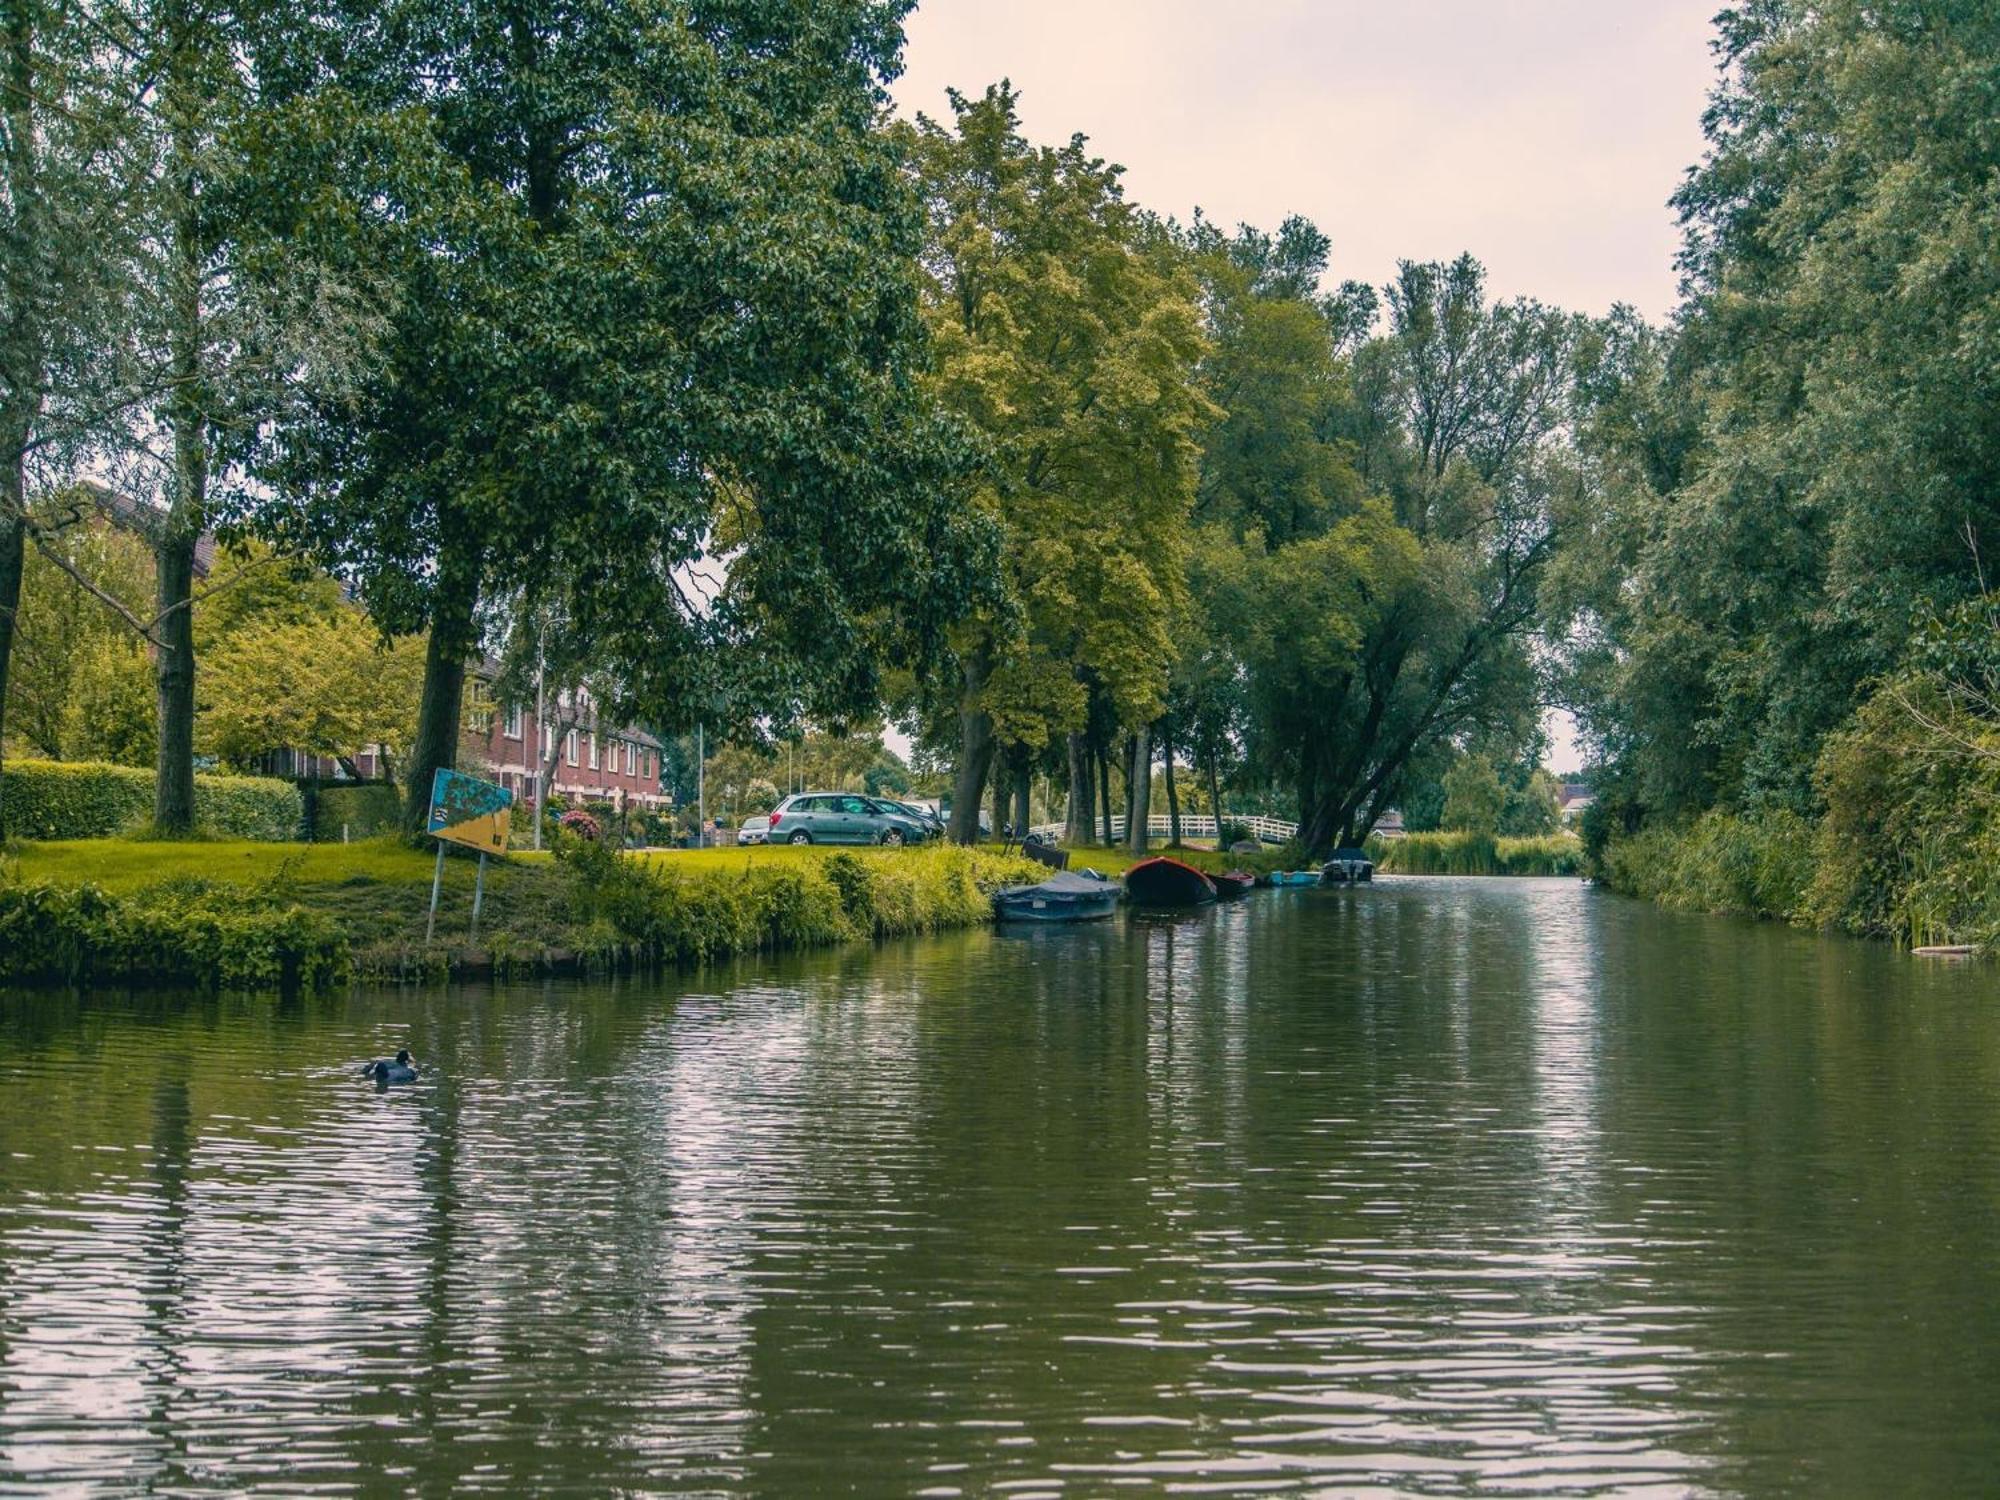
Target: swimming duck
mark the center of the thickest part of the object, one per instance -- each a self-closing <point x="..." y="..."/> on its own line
<point x="402" y="1070"/>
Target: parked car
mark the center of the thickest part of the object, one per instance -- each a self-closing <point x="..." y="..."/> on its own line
<point x="932" y="823"/>
<point x="755" y="830"/>
<point x="842" y="818"/>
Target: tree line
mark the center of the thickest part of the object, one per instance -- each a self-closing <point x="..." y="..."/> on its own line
<point x="645" y="346"/>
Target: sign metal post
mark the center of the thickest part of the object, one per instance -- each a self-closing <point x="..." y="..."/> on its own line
<point x="468" y="811"/>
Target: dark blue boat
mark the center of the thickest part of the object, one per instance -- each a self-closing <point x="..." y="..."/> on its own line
<point x="1068" y="897"/>
<point x="1168" y="882"/>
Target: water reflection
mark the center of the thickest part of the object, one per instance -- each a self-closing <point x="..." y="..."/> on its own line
<point x="1444" y="1187"/>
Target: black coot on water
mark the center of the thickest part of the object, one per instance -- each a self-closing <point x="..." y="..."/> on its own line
<point x="402" y="1070"/>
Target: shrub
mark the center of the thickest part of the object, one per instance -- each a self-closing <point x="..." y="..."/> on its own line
<point x="181" y="933"/>
<point x="1747" y="865"/>
<point x="363" y="810"/>
<point x="91" y="799"/>
<point x="581" y="824"/>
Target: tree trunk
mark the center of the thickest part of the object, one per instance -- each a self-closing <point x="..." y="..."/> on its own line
<point x="1215" y="799"/>
<point x="999" y="773"/>
<point x="24" y="373"/>
<point x="975" y="758"/>
<point x="187" y="418"/>
<point x="13" y="555"/>
<point x="1173" y="795"/>
<point x="1139" y="796"/>
<point x="440" y="717"/>
<point x="1076" y="813"/>
<point x="173" y="680"/>
<point x="1104" y="788"/>
<point x="1024" y="812"/>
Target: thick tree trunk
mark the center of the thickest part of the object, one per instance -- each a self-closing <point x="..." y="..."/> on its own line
<point x="1173" y="795"/>
<point x="975" y="758"/>
<point x="173" y="681"/>
<point x="1139" y="795"/>
<point x="1076" y="815"/>
<point x="1024" y="812"/>
<point x="999" y="814"/>
<point x="1104" y="788"/>
<point x="1215" y="799"/>
<point x="440" y="716"/>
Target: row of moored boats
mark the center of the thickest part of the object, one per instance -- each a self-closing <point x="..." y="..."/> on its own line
<point x="1085" y="895"/>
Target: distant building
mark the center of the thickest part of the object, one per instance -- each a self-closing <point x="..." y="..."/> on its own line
<point x="595" y="761"/>
<point x="1572" y="800"/>
<point x="1391" y="825"/>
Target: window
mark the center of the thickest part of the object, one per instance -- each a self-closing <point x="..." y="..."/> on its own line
<point x="513" y="730"/>
<point x="593" y="752"/>
<point x="548" y="740"/>
<point x="569" y="746"/>
<point x="631" y="759"/>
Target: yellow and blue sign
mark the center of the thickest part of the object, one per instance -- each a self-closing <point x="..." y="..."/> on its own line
<point x="468" y="811"/>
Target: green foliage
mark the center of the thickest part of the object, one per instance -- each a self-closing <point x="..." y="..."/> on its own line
<point x="364" y="811"/>
<point x="1067" y="334"/>
<point x="181" y="934"/>
<point x="1475" y="853"/>
<point x="1753" y="866"/>
<point x="1473" y="797"/>
<point x="75" y="800"/>
<point x="325" y="685"/>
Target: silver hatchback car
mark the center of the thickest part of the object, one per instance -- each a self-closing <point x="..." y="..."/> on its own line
<point x="842" y="818"/>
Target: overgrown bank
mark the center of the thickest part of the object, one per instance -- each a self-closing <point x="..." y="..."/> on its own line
<point x="1478" y="854"/>
<point x="259" y="916"/>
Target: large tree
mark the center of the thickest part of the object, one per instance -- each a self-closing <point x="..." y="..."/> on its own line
<point x="654" y="344"/>
<point x="1067" y="333"/>
<point x="1809" y="463"/>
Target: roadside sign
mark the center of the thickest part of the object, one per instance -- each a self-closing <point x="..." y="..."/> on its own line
<point x="468" y="811"/>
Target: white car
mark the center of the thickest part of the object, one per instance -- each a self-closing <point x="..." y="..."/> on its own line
<point x="755" y="830"/>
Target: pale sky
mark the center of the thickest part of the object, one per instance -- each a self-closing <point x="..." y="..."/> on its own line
<point x="1545" y="136"/>
<point x="1542" y="135"/>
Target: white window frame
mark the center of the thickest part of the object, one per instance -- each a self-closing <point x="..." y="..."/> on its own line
<point x="593" y="750"/>
<point x="569" y="747"/>
<point x="512" y="728"/>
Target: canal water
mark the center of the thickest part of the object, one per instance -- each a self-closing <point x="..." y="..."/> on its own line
<point x="1439" y="1188"/>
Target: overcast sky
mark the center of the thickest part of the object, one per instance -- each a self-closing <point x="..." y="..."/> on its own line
<point x="1542" y="135"/>
<point x="1545" y="136"/>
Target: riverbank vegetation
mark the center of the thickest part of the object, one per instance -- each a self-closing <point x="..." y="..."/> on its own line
<point x="241" y="915"/>
<point x="1782" y="640"/>
<point x="1467" y="853"/>
<point x="1072" y="493"/>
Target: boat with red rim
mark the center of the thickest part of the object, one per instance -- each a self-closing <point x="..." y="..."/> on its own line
<point x="1167" y="882"/>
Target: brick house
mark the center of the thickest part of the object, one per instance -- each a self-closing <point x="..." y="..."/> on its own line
<point x="596" y="761"/>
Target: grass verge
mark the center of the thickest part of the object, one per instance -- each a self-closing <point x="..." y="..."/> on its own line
<point x="258" y="916"/>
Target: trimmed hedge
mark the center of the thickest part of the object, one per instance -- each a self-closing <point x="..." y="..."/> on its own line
<point x="371" y="808"/>
<point x="49" y="799"/>
<point x="181" y="934"/>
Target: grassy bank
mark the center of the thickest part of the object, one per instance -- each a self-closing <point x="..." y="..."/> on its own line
<point x="258" y="916"/>
<point x="1926" y="889"/>
<point x="1478" y="854"/>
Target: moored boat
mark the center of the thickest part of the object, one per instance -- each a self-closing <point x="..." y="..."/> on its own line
<point x="1233" y="883"/>
<point x="1286" y="878"/>
<point x="1347" y="867"/>
<point x="1068" y="897"/>
<point x="1168" y="882"/>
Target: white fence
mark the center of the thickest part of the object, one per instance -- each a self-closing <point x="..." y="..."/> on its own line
<point x="1194" y="826"/>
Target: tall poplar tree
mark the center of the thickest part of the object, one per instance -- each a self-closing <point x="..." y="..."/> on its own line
<point x="1068" y="334"/>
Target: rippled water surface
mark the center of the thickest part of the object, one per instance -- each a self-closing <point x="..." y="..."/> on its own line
<point x="1447" y="1187"/>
